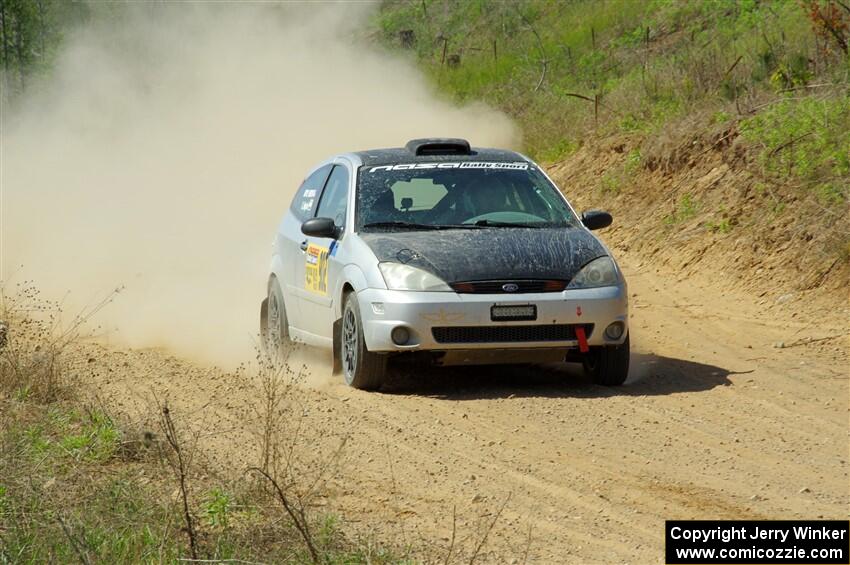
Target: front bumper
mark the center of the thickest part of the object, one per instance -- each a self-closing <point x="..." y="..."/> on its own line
<point x="421" y="312"/>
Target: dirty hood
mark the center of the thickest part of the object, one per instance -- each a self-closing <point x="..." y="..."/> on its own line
<point x="490" y="254"/>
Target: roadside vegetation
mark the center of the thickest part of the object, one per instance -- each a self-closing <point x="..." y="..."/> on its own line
<point x="704" y="123"/>
<point x="577" y="70"/>
<point x="82" y="481"/>
<point x="79" y="485"/>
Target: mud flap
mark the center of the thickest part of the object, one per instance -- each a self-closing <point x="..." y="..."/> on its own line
<point x="337" y="337"/>
<point x="582" y="339"/>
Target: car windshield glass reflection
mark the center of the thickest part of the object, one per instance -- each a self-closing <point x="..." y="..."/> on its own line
<point x="433" y="196"/>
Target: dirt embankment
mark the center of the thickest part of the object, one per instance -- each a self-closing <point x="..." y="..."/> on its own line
<point x="699" y="206"/>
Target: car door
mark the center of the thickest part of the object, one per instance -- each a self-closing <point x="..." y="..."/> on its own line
<point x="322" y="268"/>
<point x="289" y="238"/>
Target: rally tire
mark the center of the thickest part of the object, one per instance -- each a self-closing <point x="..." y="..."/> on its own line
<point x="274" y="324"/>
<point x="608" y="365"/>
<point x="264" y="324"/>
<point x="361" y="368"/>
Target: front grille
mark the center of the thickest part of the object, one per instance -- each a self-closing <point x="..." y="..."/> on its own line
<point x="517" y="286"/>
<point x="507" y="334"/>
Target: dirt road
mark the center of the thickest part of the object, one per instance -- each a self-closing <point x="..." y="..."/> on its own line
<point x="716" y="421"/>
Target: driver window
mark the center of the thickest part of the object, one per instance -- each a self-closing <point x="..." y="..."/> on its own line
<point x="335" y="197"/>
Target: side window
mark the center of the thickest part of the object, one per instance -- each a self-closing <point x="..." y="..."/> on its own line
<point x="335" y="197"/>
<point x="308" y="194"/>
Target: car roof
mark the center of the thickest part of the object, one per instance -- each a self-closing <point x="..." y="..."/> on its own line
<point x="395" y="155"/>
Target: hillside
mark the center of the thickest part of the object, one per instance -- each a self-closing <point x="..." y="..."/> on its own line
<point x="717" y="133"/>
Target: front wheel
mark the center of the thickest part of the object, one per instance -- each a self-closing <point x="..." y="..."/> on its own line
<point x="608" y="365"/>
<point x="360" y="367"/>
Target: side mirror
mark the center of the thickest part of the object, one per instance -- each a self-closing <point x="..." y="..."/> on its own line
<point x="596" y="219"/>
<point x="319" y="227"/>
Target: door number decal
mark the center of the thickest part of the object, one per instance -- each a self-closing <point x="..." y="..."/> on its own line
<point x="316" y="269"/>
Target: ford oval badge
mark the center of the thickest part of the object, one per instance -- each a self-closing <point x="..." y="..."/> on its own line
<point x="510" y="287"/>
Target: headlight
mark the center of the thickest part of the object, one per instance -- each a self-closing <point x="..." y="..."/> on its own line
<point x="405" y="277"/>
<point x="599" y="272"/>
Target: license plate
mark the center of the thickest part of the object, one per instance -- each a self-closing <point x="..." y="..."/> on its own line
<point x="513" y="312"/>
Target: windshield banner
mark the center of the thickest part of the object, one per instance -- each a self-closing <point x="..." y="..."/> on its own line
<point x="522" y="166"/>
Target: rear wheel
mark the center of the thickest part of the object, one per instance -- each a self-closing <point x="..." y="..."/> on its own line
<point x="360" y="367"/>
<point x="274" y="325"/>
<point x="608" y="365"/>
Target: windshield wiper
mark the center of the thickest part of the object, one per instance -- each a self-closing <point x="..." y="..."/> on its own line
<point x="398" y="224"/>
<point x="415" y="226"/>
<point x="494" y="224"/>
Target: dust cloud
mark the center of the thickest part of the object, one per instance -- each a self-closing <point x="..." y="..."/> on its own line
<point x="164" y="148"/>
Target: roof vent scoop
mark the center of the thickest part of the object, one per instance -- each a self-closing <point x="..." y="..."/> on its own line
<point x="439" y="146"/>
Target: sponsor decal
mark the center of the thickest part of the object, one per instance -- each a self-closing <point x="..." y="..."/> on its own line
<point x="457" y="165"/>
<point x="316" y="269"/>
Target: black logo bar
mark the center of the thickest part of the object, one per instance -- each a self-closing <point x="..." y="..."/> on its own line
<point x="813" y="542"/>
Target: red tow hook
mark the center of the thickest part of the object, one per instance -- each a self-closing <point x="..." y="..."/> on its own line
<point x="582" y="339"/>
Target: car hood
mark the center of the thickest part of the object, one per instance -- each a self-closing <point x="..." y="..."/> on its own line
<point x="490" y="254"/>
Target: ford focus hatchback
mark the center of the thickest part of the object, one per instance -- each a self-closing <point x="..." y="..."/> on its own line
<point x="446" y="253"/>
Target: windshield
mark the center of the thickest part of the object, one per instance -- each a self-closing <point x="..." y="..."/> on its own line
<point x="446" y="195"/>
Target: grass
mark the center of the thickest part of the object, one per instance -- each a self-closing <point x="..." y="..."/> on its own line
<point x="570" y="71"/>
<point x="78" y="486"/>
<point x="686" y="209"/>
<point x="66" y="496"/>
<point x="598" y="48"/>
<point x="616" y="178"/>
<point x="807" y="139"/>
<point x="71" y="490"/>
<point x="217" y="508"/>
<point x="721" y="226"/>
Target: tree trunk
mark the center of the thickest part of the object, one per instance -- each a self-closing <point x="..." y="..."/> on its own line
<point x="19" y="49"/>
<point x="5" y="35"/>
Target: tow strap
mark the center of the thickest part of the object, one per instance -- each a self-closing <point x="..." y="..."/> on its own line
<point x="582" y="339"/>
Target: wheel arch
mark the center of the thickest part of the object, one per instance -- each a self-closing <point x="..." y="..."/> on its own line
<point x="276" y="269"/>
<point x="352" y="279"/>
<point x="272" y="278"/>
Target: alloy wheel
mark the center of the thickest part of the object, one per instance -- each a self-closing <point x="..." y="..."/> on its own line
<point x="274" y="323"/>
<point x="349" y="344"/>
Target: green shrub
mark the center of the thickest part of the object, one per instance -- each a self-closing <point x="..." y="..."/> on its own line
<point x="217" y="508"/>
<point x="611" y="182"/>
<point x="685" y="210"/>
<point x="722" y="226"/>
<point x="807" y="139"/>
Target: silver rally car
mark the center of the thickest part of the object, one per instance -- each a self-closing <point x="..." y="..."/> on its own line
<point x="454" y="254"/>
